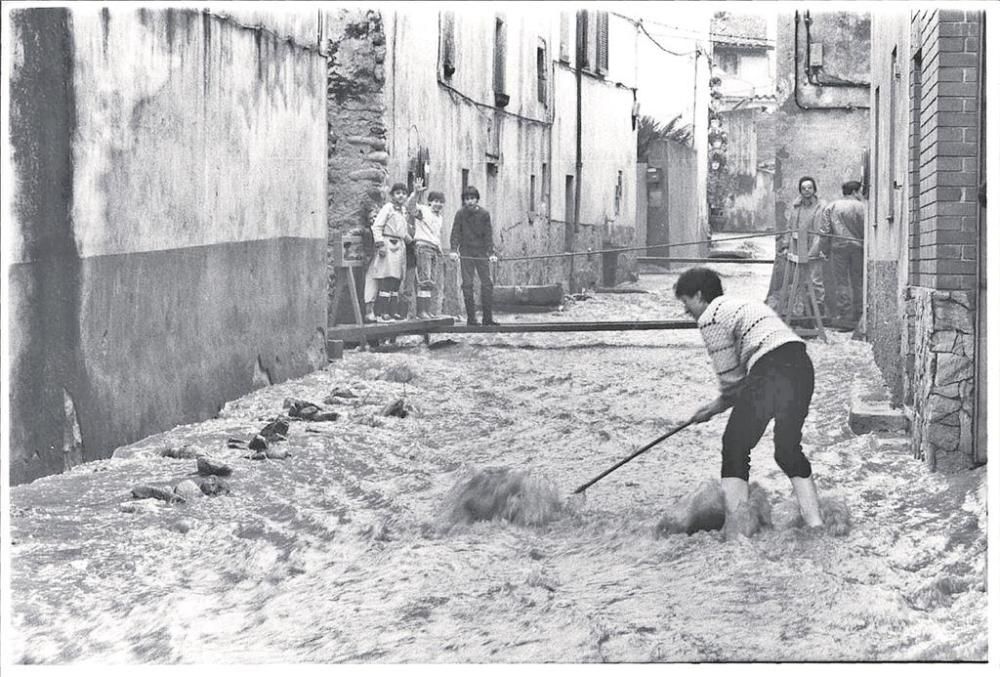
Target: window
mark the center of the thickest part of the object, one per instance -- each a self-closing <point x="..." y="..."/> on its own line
<point x="542" y="70"/>
<point x="500" y="63"/>
<point x="465" y="179"/>
<point x="729" y="62"/>
<point x="602" y="42"/>
<point x="492" y="170"/>
<point x="581" y="40"/>
<point x="531" y="194"/>
<point x="592" y="40"/>
<point x="446" y="44"/>
<point x="494" y="133"/>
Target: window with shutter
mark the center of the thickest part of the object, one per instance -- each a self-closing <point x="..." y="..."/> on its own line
<point x="446" y="25"/>
<point x="581" y="39"/>
<point x="602" y="42"/>
<point x="500" y="63"/>
<point x="542" y="68"/>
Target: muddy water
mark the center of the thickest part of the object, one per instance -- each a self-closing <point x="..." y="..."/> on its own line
<point x="349" y="550"/>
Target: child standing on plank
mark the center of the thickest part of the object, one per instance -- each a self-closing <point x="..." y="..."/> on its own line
<point x="472" y="240"/>
<point x="391" y="233"/>
<point x="427" y="222"/>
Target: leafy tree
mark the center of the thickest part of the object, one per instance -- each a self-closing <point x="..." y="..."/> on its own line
<point x="650" y="130"/>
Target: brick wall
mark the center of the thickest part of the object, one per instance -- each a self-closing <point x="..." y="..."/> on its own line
<point x="944" y="161"/>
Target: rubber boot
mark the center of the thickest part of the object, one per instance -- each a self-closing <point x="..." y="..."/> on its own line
<point x="382" y="308"/>
<point x="396" y="307"/>
<point x="423" y="308"/>
<point x="488" y="320"/>
<point x="805" y="492"/>
<point x="370" y="312"/>
<point x="470" y="310"/>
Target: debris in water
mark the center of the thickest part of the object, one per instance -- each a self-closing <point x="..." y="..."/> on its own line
<point x="160" y="493"/>
<point x="276" y="430"/>
<point x="185" y="451"/>
<point x="396" y="408"/>
<point x="504" y="494"/>
<point x="236" y="443"/>
<point x="258" y="443"/>
<point x="188" y="489"/>
<point x="305" y="411"/>
<point x="145" y="505"/>
<point x="211" y="466"/>
<point x="443" y="343"/>
<point x="213" y="486"/>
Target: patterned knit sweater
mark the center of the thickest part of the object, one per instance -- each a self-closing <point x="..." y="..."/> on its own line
<point x="737" y="333"/>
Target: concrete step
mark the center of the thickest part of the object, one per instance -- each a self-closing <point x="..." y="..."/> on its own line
<point x="872" y="410"/>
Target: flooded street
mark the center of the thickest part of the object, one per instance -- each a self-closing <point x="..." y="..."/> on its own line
<point x="345" y="551"/>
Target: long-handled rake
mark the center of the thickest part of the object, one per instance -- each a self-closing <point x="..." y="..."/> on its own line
<point x="583" y="487"/>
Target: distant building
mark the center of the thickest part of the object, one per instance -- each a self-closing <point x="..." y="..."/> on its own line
<point x="743" y="67"/>
<point x="926" y="234"/>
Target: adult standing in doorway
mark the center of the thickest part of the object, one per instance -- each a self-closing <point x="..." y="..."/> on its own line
<point x="845" y="220"/>
<point x="806" y="214"/>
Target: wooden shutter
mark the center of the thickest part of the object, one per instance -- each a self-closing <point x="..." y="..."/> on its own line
<point x="602" y="42"/>
<point x="446" y="26"/>
<point x="500" y="58"/>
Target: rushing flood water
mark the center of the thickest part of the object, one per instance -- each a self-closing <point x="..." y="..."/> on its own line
<point x="451" y="535"/>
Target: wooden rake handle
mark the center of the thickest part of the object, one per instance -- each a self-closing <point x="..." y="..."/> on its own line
<point x="583" y="487"/>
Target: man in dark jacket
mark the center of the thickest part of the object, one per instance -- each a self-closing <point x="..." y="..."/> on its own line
<point x="472" y="239"/>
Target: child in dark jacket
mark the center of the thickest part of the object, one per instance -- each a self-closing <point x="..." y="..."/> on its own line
<point x="472" y="240"/>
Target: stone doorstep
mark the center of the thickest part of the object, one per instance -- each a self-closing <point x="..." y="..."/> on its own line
<point x="871" y="411"/>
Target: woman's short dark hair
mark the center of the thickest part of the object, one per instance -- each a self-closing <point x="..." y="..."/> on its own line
<point x="704" y="280"/>
<point x="435" y="195"/>
<point x="470" y="191"/>
<point x="398" y="186"/>
<point x="808" y="178"/>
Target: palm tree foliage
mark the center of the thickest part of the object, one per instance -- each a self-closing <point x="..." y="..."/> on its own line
<point x="650" y="130"/>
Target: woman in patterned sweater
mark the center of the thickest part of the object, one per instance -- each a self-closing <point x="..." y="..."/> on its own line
<point x="764" y="373"/>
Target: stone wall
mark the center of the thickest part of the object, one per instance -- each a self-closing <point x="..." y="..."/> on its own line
<point x="942" y="385"/>
<point x="357" y="142"/>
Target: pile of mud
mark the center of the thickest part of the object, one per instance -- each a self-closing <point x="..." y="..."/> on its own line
<point x="503" y="494"/>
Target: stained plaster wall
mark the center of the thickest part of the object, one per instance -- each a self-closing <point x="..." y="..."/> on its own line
<point x="167" y="234"/>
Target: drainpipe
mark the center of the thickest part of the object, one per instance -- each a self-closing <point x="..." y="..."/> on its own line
<point x="979" y="455"/>
<point x="581" y="23"/>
